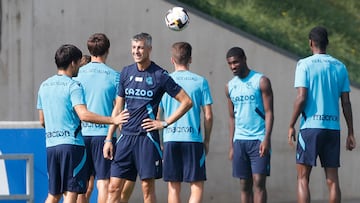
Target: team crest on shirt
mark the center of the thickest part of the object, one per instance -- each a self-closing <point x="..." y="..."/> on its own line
<point x="149" y="81"/>
<point x="249" y="85"/>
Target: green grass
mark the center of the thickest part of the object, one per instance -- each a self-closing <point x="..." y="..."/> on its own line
<point x="286" y="24"/>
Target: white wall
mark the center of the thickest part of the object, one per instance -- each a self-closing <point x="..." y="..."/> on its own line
<point x="31" y="31"/>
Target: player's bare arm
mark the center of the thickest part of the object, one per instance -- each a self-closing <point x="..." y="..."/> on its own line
<point x="231" y="122"/>
<point x="347" y="111"/>
<point x="86" y="115"/>
<point x="41" y="118"/>
<point x="185" y="105"/>
<point x="268" y="98"/>
<point x="208" y="123"/>
<point x="108" y="150"/>
<point x="299" y="105"/>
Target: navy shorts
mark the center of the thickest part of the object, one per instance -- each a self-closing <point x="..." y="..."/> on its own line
<point x="99" y="167"/>
<point x="137" y="155"/>
<point x="67" y="169"/>
<point x="184" y="162"/>
<point x="313" y="142"/>
<point x="247" y="160"/>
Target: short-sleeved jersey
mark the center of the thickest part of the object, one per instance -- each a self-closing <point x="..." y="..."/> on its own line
<point x="245" y="94"/>
<point x="57" y="97"/>
<point x="100" y="83"/>
<point x="325" y="79"/>
<point x="188" y="127"/>
<point x="143" y="91"/>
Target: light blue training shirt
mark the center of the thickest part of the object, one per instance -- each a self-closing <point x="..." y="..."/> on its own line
<point x="100" y="84"/>
<point x="188" y="127"/>
<point x="57" y="97"/>
<point x="325" y="79"/>
<point x="245" y="94"/>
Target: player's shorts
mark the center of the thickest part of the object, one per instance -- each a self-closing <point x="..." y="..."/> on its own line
<point x="247" y="160"/>
<point x="99" y="167"/>
<point x="137" y="154"/>
<point x="184" y="162"/>
<point x="67" y="169"/>
<point x="314" y="142"/>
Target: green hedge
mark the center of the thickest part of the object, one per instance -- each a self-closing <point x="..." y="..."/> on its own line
<point x="286" y="24"/>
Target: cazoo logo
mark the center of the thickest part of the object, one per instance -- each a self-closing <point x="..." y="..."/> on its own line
<point x="243" y="98"/>
<point x="138" y="92"/>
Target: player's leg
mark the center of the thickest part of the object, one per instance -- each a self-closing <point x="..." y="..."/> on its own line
<point x="330" y="160"/>
<point x="115" y="187"/>
<point x="70" y="197"/>
<point x="242" y="170"/>
<point x="53" y="198"/>
<point x="148" y="189"/>
<point x="101" y="167"/>
<point x="148" y="158"/>
<point x="303" y="177"/>
<point x="305" y="159"/>
<point x="174" y="190"/>
<point x="246" y="190"/>
<point x="54" y="177"/>
<point x="332" y="180"/>
<point x="259" y="188"/>
<point x="127" y="191"/>
<point x="194" y="169"/>
<point x="260" y="166"/>
<point x="173" y="170"/>
<point x="122" y="167"/>
<point x="90" y="188"/>
<point x="102" y="185"/>
<point x="196" y="192"/>
<point x="85" y="198"/>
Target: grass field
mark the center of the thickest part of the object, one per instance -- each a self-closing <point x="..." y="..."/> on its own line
<point x="287" y="23"/>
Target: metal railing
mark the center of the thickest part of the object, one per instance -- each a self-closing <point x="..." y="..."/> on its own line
<point x="29" y="196"/>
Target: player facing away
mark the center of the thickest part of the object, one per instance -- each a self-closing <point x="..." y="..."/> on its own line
<point x="321" y="81"/>
<point x="250" y="104"/>
<point x="100" y="83"/>
<point x="184" y="146"/>
<point x="62" y="107"/>
<point x="138" y="151"/>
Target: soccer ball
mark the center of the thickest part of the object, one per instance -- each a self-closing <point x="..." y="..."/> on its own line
<point x="176" y="19"/>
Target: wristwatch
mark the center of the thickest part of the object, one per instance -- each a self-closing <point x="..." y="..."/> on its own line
<point x="164" y="124"/>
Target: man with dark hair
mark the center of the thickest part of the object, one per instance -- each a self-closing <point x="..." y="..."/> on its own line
<point x="100" y="83"/>
<point x="321" y="80"/>
<point x="185" y="145"/>
<point x="142" y="85"/>
<point x="250" y="104"/>
<point x="61" y="104"/>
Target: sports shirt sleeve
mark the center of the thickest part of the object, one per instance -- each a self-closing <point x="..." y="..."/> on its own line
<point x="121" y="91"/>
<point x="207" y="99"/>
<point x="346" y="84"/>
<point x="170" y="86"/>
<point x="301" y="75"/>
<point x="77" y="94"/>
<point x="39" y="104"/>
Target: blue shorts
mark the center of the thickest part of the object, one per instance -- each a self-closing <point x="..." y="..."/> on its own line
<point x="313" y="142"/>
<point x="247" y="160"/>
<point x="137" y="154"/>
<point x="99" y="167"/>
<point x="67" y="169"/>
<point x="184" y="162"/>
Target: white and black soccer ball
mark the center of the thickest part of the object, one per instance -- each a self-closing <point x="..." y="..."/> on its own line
<point x="176" y="18"/>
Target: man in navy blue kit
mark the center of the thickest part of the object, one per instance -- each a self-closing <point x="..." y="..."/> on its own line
<point x="138" y="152"/>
